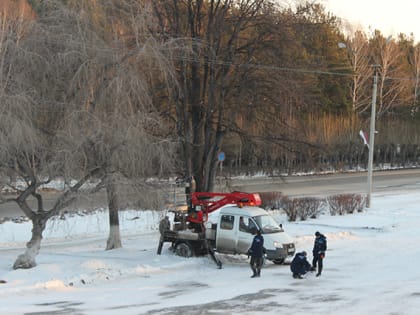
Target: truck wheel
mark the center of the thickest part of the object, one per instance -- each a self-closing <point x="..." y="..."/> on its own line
<point x="278" y="261"/>
<point x="184" y="249"/>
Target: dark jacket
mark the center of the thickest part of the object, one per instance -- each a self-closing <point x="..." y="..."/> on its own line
<point x="257" y="248"/>
<point x="299" y="264"/>
<point x="320" y="245"/>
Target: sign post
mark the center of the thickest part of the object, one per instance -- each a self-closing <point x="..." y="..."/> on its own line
<point x="221" y="158"/>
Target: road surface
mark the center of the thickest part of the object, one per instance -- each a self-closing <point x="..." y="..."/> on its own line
<point x="331" y="184"/>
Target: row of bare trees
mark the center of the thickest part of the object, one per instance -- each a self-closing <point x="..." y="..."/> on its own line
<point x="323" y="97"/>
<point x="397" y="62"/>
<point x="276" y="88"/>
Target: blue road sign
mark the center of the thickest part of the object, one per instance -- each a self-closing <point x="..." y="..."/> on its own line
<point x="221" y="156"/>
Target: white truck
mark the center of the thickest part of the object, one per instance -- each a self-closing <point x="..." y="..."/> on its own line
<point x="228" y="226"/>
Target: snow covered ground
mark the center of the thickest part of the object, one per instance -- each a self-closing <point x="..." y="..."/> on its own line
<point x="370" y="268"/>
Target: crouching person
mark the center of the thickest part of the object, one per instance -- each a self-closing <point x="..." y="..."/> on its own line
<point x="300" y="265"/>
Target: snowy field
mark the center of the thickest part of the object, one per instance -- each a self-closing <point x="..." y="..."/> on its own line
<point x="370" y="268"/>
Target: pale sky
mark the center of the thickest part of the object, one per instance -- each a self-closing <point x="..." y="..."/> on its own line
<point x="391" y="17"/>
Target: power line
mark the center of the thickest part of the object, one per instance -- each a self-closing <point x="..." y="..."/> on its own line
<point x="217" y="62"/>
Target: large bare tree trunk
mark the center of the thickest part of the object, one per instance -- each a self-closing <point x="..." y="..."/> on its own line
<point x="27" y="259"/>
<point x="114" y="238"/>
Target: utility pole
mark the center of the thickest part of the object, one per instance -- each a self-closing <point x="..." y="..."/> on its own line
<point x="372" y="138"/>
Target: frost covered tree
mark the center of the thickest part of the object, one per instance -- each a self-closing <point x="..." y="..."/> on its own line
<point x="33" y="74"/>
<point x="73" y="108"/>
<point x="118" y="126"/>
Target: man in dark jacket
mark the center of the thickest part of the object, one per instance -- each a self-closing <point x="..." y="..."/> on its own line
<point x="300" y="265"/>
<point x="256" y="251"/>
<point x="320" y="246"/>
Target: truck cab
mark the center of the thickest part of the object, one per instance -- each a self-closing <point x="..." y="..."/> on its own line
<point x="235" y="229"/>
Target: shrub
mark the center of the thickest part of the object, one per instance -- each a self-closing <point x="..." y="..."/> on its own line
<point x="345" y="203"/>
<point x="271" y="200"/>
<point x="302" y="208"/>
<point x="289" y="207"/>
<point x="310" y="208"/>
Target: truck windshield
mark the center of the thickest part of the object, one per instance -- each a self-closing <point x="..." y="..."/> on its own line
<point x="267" y="224"/>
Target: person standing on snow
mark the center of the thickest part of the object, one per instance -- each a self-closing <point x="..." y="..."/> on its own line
<point x="300" y="265"/>
<point x="320" y="246"/>
<point x="256" y="251"/>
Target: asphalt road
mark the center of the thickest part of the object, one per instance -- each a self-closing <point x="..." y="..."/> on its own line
<point x="292" y="186"/>
<point x="331" y="184"/>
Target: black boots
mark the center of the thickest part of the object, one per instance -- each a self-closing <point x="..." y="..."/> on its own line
<point x="319" y="270"/>
<point x="257" y="272"/>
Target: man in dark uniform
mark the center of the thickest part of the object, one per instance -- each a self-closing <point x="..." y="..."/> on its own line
<point x="300" y="265"/>
<point x="320" y="246"/>
<point x="256" y="251"/>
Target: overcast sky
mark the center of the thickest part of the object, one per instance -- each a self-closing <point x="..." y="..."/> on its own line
<point x="391" y="17"/>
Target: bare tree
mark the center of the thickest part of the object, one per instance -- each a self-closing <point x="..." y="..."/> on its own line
<point x="414" y="60"/>
<point x="358" y="48"/>
<point x="123" y="148"/>
<point x="30" y="84"/>
<point x="386" y="55"/>
<point x="130" y="142"/>
<point x="55" y="124"/>
<point x="217" y="39"/>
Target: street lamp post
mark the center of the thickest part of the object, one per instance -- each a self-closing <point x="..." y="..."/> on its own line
<point x="372" y="139"/>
